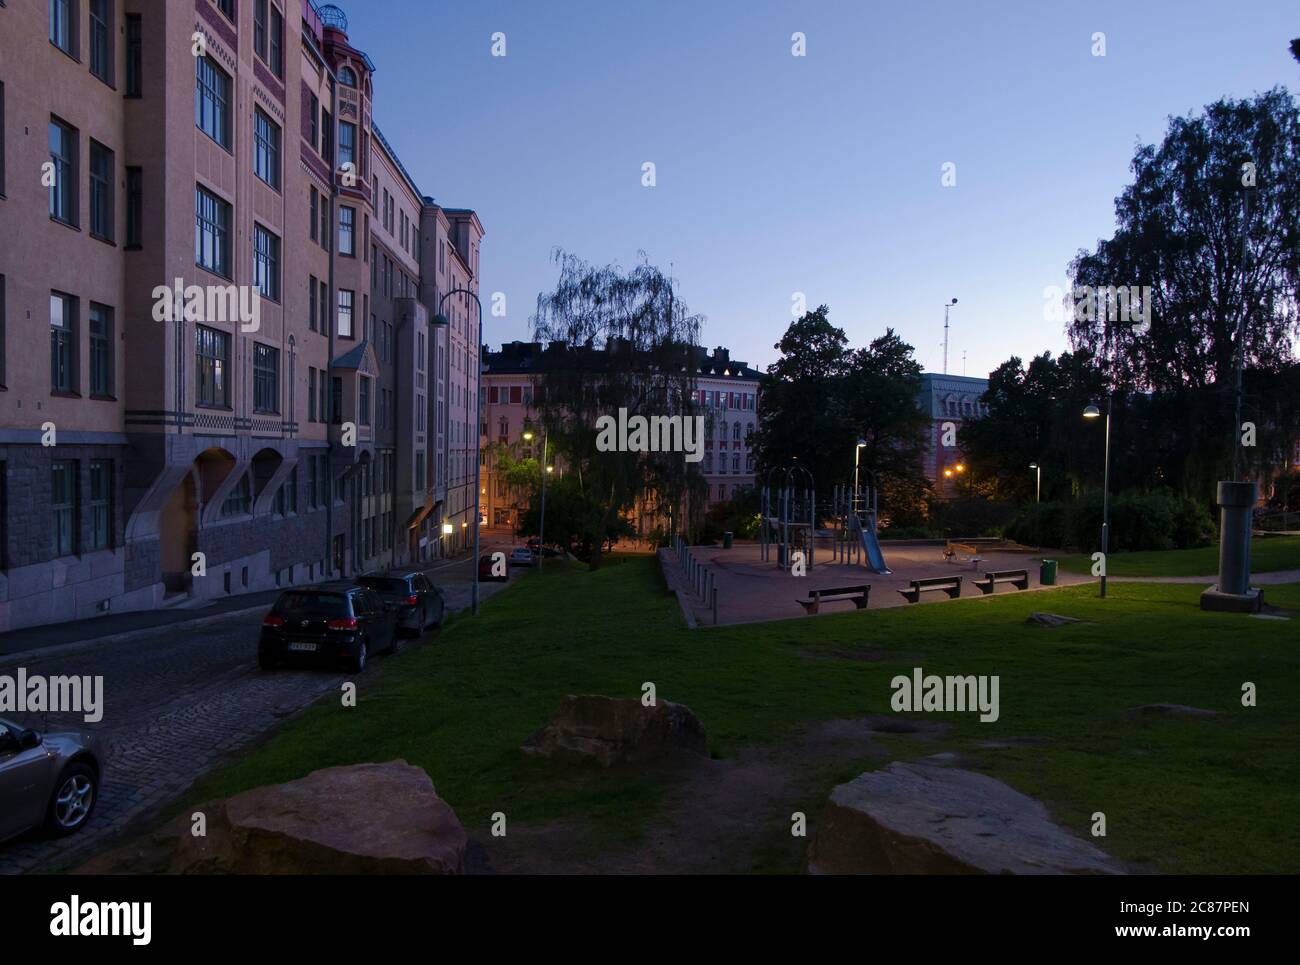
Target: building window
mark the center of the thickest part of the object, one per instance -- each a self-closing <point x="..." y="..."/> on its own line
<point x="336" y="400"/>
<point x="311" y="224"/>
<point x="348" y="77"/>
<point x="311" y="394"/>
<point x="63" y="26"/>
<point x="101" y="504"/>
<point x="228" y="8"/>
<point x="324" y="222"/>
<point x="266" y="379"/>
<point x="63" y="507"/>
<point x="311" y="302"/>
<point x="346" y="299"/>
<point x="212" y="376"/>
<point x="286" y="497"/>
<point x="134" y="207"/>
<point x="101" y="191"/>
<point x="365" y="401"/>
<point x="326" y="135"/>
<point x="100" y="323"/>
<point x="259" y="27"/>
<point x="63" y="155"/>
<point x="2" y="139"/>
<point x="266" y="263"/>
<point x="134" y="55"/>
<point x="324" y="302"/>
<point x="239" y="501"/>
<point x="212" y="101"/>
<point x="277" y="43"/>
<point x="347" y="144"/>
<point x="266" y="149"/>
<point x="347" y="230"/>
<point x="211" y="233"/>
<point x="313" y="110"/>
<point x="101" y="42"/>
<point x="63" y="343"/>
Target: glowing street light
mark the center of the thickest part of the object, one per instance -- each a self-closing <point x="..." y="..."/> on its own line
<point x="1092" y="412"/>
<point x="1039" y="469"/>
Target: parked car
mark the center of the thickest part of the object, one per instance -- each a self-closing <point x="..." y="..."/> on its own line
<point x="538" y="549"/>
<point x="46" y="780"/>
<point x="418" y="602"/>
<point x="521" y="556"/>
<point x="485" y="571"/>
<point x="331" y="623"/>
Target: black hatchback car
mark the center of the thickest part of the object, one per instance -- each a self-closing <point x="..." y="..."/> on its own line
<point x="418" y="602"/>
<point x="331" y="623"/>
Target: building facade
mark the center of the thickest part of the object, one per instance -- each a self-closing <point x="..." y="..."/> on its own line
<point x="950" y="400"/>
<point x="217" y="345"/>
<point x="725" y="393"/>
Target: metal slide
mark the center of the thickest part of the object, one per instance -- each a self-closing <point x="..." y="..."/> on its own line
<point x="870" y="545"/>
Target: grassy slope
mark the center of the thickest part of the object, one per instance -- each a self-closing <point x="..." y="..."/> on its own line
<point x="1185" y="795"/>
<point x="1267" y="556"/>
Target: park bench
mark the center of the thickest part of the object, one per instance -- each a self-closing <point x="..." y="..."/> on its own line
<point x="949" y="584"/>
<point x="857" y="595"/>
<point x="1019" y="578"/>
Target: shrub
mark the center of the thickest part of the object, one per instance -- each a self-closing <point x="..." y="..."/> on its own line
<point x="1157" y="520"/>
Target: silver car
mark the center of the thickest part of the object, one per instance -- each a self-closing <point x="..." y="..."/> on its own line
<point x="46" y="780"/>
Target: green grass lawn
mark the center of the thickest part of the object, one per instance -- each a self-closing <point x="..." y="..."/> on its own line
<point x="1267" y="555"/>
<point x="1217" y="795"/>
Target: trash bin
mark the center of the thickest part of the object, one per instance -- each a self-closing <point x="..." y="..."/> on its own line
<point x="726" y="540"/>
<point x="1047" y="573"/>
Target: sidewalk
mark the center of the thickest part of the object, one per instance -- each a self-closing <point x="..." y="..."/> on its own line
<point x="116" y="626"/>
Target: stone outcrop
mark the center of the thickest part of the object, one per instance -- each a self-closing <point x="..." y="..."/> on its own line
<point x="927" y="819"/>
<point x="610" y="731"/>
<point x="358" y="819"/>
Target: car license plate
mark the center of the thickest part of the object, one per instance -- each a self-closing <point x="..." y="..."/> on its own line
<point x="303" y="647"/>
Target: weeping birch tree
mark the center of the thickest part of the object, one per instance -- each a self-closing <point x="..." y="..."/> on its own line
<point x="620" y="343"/>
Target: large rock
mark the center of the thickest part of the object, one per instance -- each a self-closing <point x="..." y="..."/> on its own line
<point x="610" y="731"/>
<point x="359" y="819"/>
<point x="924" y="819"/>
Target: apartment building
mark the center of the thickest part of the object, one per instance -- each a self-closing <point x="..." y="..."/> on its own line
<point x="220" y="408"/>
<point x="725" y="393"/>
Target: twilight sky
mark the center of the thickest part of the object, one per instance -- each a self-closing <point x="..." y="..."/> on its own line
<point x="818" y="174"/>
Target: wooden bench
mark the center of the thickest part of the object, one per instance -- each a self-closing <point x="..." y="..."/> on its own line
<point x="1019" y="578"/>
<point x="949" y="584"/>
<point x="857" y="595"/>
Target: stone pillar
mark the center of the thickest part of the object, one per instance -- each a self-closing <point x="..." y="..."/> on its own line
<point x="1233" y="592"/>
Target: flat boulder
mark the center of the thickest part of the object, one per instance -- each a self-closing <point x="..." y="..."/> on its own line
<point x="359" y="819"/>
<point x="926" y="819"/>
<point x="611" y="730"/>
<point x="1170" y="710"/>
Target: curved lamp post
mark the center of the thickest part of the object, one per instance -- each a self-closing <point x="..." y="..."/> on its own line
<point x="1038" y="498"/>
<point x="441" y="320"/>
<point x="1092" y="412"/>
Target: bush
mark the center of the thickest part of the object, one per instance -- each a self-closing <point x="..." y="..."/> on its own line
<point x="1157" y="520"/>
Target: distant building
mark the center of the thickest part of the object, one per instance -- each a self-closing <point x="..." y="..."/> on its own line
<point x="728" y="392"/>
<point x="950" y="400"/>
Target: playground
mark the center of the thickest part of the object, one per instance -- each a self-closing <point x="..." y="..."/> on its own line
<point x="815" y="557"/>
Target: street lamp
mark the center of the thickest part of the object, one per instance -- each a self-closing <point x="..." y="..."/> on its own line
<point x="1092" y="412"/>
<point x="541" y="529"/>
<point x="438" y="320"/>
<point x="1036" y="466"/>
<point x="946" y="306"/>
<point x="857" y="451"/>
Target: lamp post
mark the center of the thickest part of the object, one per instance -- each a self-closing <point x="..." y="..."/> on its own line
<point x="1092" y="412"/>
<point x="439" y="320"/>
<point x="1039" y="469"/>
<point x="541" y="529"/>
<point x="857" y="452"/>
<point x="946" y="306"/>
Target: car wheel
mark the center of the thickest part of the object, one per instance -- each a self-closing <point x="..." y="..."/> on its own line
<point x="73" y="800"/>
<point x="358" y="662"/>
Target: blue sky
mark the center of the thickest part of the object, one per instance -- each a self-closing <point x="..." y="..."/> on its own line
<point x="818" y="174"/>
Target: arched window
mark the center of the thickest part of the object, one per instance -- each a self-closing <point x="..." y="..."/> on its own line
<point x="348" y="77"/>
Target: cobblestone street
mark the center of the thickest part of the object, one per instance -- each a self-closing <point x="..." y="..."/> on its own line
<point x="176" y="702"/>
